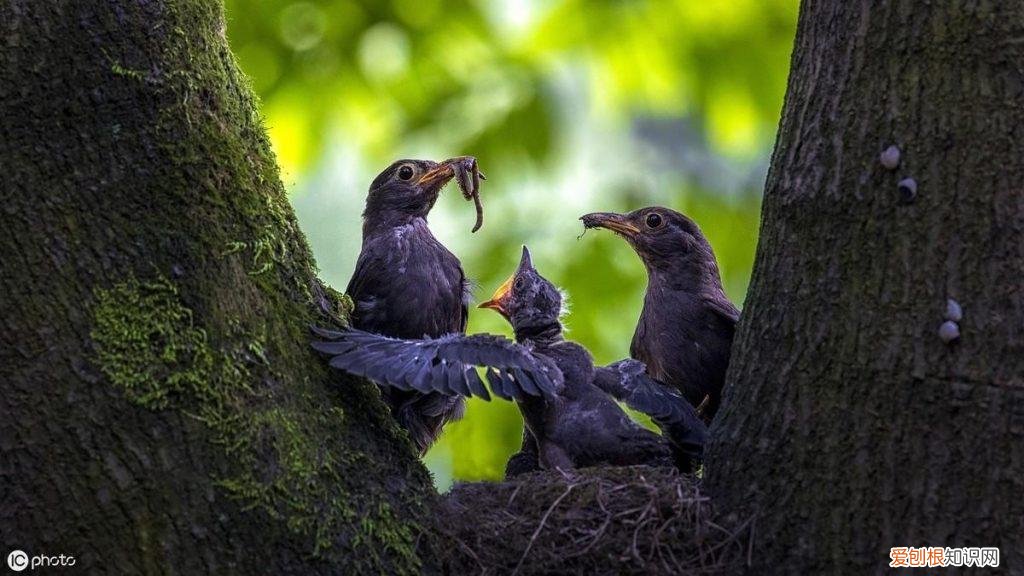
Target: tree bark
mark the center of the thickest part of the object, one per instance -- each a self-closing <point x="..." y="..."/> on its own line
<point x="161" y="411"/>
<point x="849" y="426"/>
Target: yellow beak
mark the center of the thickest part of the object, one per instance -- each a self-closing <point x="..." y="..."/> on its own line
<point x="500" y="297"/>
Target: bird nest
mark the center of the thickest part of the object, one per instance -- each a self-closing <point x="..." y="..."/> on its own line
<point x="630" y="520"/>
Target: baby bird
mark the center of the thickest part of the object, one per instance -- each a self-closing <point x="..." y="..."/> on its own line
<point x="568" y="404"/>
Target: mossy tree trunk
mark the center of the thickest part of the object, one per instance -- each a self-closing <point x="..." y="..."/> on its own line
<point x="848" y="425"/>
<point x="161" y="411"/>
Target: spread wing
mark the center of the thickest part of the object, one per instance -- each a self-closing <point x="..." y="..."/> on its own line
<point x="627" y="381"/>
<point x="445" y="364"/>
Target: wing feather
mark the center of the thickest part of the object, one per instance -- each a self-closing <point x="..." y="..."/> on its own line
<point x="444" y="364"/>
<point x="627" y="381"/>
<point x="476" y="385"/>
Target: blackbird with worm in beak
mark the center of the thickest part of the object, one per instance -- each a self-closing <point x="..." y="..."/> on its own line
<point x="685" y="330"/>
<point x="567" y="404"/>
<point x="407" y="285"/>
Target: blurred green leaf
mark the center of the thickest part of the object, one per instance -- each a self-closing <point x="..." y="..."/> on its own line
<point x="570" y="106"/>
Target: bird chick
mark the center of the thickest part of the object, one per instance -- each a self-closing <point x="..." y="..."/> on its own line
<point x="685" y="331"/>
<point x="406" y="284"/>
<point x="582" y="425"/>
<point x="566" y="402"/>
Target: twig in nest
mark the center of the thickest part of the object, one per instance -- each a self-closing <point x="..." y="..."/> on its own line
<point x="541" y="527"/>
<point x="731" y="536"/>
<point x="513" y="496"/>
<point x="596" y="534"/>
<point x="636" y="532"/>
<point x="472" y="554"/>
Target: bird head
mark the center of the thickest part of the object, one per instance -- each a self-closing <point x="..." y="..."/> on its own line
<point x="408" y="187"/>
<point x="660" y="236"/>
<point x="527" y="300"/>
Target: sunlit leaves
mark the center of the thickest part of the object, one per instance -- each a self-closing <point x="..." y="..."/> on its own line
<point x="570" y="105"/>
<point x="384" y="52"/>
<point x="678" y="57"/>
<point x="302" y="25"/>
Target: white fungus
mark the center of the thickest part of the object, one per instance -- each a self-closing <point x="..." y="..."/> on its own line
<point x="949" y="331"/>
<point x="953" y="310"/>
<point x="890" y="157"/>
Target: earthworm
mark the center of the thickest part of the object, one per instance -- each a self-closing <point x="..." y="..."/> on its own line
<point x="468" y="174"/>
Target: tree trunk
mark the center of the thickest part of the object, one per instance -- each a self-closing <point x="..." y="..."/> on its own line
<point x="161" y="410"/>
<point x="849" y="425"/>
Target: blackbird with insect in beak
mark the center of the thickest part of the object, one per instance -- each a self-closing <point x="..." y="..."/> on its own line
<point x="407" y="285"/>
<point x="684" y="334"/>
<point x="566" y="402"/>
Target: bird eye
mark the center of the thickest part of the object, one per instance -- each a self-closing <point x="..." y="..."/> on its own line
<point x="405" y="172"/>
<point x="653" y="220"/>
<point x="518" y="284"/>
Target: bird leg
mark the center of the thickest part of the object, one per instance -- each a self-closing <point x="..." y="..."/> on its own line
<point x="526" y="460"/>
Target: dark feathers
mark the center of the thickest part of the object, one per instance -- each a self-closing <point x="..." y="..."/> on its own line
<point x="444" y="365"/>
<point x="684" y="334"/>
<point x="627" y="381"/>
<point x="408" y="285"/>
<point x="583" y="425"/>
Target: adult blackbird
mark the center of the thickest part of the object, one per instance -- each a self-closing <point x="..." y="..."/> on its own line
<point x="566" y="402"/>
<point x="684" y="334"/>
<point x="407" y="285"/>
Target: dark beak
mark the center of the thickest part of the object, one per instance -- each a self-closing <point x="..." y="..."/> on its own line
<point x="612" y="221"/>
<point x="437" y="176"/>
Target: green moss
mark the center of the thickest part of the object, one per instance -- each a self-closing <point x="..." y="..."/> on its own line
<point x="222" y="148"/>
<point x="307" y="477"/>
<point x="384" y="532"/>
<point x="147" y="344"/>
<point x="225" y="343"/>
<point x="263" y="253"/>
<point x="347" y="306"/>
<point x="122" y="71"/>
<point x="127" y="72"/>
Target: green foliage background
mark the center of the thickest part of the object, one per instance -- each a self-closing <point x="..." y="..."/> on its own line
<point x="570" y="106"/>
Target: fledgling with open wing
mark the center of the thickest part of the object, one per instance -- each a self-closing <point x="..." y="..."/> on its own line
<point x="583" y="425"/>
<point x="628" y="381"/>
<point x="445" y="365"/>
